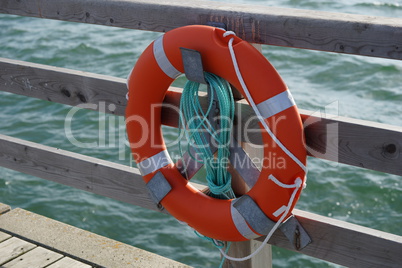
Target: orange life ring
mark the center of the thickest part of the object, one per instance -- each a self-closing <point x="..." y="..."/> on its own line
<point x="148" y="82"/>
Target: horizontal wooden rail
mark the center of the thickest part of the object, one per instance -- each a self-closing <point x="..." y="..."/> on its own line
<point x="61" y="85"/>
<point x="346" y="244"/>
<point x="350" y="141"/>
<point x="317" y="30"/>
<point x="94" y="175"/>
<point x="335" y="138"/>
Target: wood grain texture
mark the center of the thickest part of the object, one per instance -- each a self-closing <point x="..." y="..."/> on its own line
<point x="245" y="248"/>
<point x="83" y="172"/>
<point x="12" y="248"/>
<point x="317" y="30"/>
<point x="4" y="236"/>
<point x="66" y="86"/>
<point x="95" y="250"/>
<point x="334" y="241"/>
<point x="349" y="141"/>
<point x="344" y="243"/>
<point x="68" y="262"/>
<point x="355" y="142"/>
<point x="37" y="258"/>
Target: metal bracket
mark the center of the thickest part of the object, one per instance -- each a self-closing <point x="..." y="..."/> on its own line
<point x="295" y="233"/>
<point x="192" y="64"/>
<point x="256" y="218"/>
<point x="158" y="187"/>
<point x="253" y="215"/>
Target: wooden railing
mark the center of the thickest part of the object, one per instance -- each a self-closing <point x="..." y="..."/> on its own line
<point x="352" y="143"/>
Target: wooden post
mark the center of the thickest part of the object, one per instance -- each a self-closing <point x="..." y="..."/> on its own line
<point x="245" y="248"/>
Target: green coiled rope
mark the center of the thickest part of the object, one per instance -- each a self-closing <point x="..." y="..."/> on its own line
<point x="201" y="134"/>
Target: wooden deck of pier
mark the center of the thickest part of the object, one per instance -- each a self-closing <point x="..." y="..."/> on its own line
<point x="16" y="252"/>
<point x="29" y="240"/>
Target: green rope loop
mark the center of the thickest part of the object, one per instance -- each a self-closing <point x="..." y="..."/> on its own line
<point x="195" y="125"/>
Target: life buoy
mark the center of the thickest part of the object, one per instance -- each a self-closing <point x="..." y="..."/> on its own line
<point x="158" y="66"/>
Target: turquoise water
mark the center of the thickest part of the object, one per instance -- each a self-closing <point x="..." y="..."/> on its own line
<point x="352" y="86"/>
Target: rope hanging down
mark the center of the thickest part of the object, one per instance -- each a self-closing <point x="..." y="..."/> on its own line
<point x="201" y="134"/>
<point x="297" y="183"/>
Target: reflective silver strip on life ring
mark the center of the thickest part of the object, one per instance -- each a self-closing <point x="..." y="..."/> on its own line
<point x="154" y="162"/>
<point x="162" y="60"/>
<point x="276" y="104"/>
<point x="240" y="222"/>
<point x="252" y="215"/>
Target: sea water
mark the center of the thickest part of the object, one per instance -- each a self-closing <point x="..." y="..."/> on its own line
<point x="328" y="83"/>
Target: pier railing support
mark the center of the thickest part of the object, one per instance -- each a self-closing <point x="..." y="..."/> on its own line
<point x="241" y="249"/>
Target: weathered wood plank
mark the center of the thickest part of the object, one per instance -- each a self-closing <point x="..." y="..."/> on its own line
<point x="37" y="258"/>
<point x="318" y="30"/>
<point x="4" y="236"/>
<point x="355" y="142"/>
<point x="12" y="248"/>
<point x="245" y="248"/>
<point x="344" y="243"/>
<point x="331" y="239"/>
<point x="96" y="250"/>
<point x="350" y="141"/>
<point x="70" y="263"/>
<point x="66" y="86"/>
<point x="79" y="171"/>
